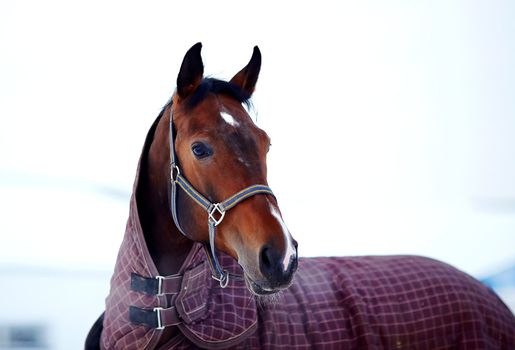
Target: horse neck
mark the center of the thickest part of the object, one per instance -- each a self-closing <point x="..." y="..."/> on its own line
<point x="167" y="246"/>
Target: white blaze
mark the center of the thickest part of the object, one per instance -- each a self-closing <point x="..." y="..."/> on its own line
<point x="290" y="249"/>
<point x="229" y="119"/>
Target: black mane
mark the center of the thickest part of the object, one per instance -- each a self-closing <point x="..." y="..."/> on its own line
<point x="215" y="86"/>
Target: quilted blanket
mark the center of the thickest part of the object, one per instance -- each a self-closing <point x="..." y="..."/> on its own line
<point x="369" y="302"/>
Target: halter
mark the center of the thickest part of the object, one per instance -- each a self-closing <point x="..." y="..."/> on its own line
<point x="215" y="211"/>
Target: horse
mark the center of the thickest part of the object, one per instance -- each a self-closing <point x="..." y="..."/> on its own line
<point x="207" y="260"/>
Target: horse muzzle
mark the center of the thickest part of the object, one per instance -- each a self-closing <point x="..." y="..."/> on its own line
<point x="276" y="270"/>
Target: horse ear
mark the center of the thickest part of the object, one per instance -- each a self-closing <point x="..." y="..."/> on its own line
<point x="191" y="72"/>
<point x="248" y="76"/>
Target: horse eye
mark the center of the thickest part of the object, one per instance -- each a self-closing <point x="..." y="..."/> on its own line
<point x="201" y="150"/>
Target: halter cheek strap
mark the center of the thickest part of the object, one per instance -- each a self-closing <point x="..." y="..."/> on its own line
<point x="215" y="211"/>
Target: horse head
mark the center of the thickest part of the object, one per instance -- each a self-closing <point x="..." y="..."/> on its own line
<point x="221" y="151"/>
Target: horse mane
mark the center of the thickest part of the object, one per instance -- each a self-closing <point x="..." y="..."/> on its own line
<point x="216" y="86"/>
<point x="212" y="85"/>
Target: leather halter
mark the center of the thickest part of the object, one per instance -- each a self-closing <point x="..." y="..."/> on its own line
<point x="215" y="211"/>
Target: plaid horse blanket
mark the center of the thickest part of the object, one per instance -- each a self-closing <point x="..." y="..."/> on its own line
<point x="369" y="302"/>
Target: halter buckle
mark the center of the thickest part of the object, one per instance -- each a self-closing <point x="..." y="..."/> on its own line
<point x="177" y="172"/>
<point x="216" y="208"/>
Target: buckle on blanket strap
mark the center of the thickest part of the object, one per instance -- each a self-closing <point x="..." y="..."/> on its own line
<point x="158" y="310"/>
<point x="158" y="285"/>
<point x="158" y="318"/>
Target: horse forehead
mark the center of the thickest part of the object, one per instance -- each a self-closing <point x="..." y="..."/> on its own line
<point x="229" y="119"/>
<point x="226" y="120"/>
<point x="234" y="111"/>
<point x="237" y="128"/>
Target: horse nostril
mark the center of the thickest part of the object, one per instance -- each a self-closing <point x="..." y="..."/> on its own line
<point x="272" y="265"/>
<point x="266" y="260"/>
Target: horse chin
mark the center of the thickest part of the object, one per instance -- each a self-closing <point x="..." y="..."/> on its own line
<point x="259" y="290"/>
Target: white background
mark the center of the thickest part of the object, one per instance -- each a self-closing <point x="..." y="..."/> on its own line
<point x="392" y="123"/>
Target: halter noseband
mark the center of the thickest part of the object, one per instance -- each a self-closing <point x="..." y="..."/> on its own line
<point x="215" y="211"/>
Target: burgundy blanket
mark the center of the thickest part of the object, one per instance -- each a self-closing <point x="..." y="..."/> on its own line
<point x="373" y="302"/>
<point x="395" y="302"/>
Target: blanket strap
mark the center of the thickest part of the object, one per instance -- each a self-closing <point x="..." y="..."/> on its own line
<point x="157" y="318"/>
<point x="157" y="285"/>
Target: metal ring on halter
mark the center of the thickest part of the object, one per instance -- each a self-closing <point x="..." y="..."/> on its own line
<point x="216" y="207"/>
<point x="224" y="279"/>
<point x="178" y="172"/>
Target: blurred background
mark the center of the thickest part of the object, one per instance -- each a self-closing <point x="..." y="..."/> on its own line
<point x="403" y="113"/>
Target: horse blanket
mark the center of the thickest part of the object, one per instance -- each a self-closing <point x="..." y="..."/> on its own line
<point x="397" y="302"/>
<point x="369" y="302"/>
